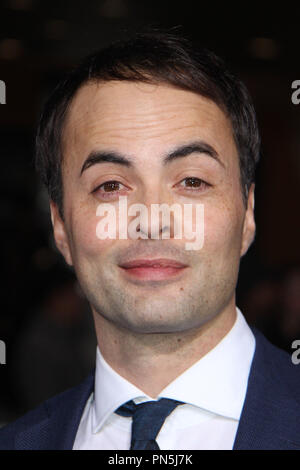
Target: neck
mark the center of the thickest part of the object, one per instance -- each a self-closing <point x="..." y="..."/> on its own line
<point x="152" y="361"/>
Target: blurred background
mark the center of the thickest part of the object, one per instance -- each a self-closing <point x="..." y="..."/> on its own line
<point x="45" y="321"/>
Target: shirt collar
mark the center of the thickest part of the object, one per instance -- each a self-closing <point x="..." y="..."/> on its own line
<point x="216" y="383"/>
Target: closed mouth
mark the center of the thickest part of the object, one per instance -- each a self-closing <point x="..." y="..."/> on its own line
<point x="159" y="263"/>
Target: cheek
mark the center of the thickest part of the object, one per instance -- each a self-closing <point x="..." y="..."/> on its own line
<point x="222" y="232"/>
<point x="85" y="243"/>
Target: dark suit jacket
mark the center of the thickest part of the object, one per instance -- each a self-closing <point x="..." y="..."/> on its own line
<point x="270" y="417"/>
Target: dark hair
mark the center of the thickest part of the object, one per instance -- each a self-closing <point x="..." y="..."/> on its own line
<point x="154" y="57"/>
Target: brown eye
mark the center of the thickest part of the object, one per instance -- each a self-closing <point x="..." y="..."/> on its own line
<point x="110" y="186"/>
<point x="109" y="189"/>
<point x="193" y="183"/>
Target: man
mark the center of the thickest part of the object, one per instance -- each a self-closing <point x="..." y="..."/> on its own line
<point x="156" y="121"/>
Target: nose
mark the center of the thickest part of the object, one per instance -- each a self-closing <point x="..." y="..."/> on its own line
<point x="154" y="232"/>
<point x="157" y="218"/>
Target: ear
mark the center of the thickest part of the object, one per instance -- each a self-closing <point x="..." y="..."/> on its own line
<point x="60" y="234"/>
<point x="249" y="223"/>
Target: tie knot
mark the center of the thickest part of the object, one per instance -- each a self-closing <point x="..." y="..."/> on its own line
<point x="147" y="418"/>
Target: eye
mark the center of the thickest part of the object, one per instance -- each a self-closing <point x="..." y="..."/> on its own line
<point x="109" y="187"/>
<point x="194" y="184"/>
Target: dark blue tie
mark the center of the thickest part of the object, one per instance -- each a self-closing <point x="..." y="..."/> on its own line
<point x="147" y="419"/>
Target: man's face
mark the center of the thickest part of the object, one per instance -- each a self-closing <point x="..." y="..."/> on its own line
<point x="144" y="123"/>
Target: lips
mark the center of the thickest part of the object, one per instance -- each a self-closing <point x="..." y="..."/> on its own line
<point x="153" y="270"/>
<point x="155" y="263"/>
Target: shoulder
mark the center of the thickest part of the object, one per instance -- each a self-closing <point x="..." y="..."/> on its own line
<point x="274" y="375"/>
<point x="57" y="417"/>
<point x="277" y="361"/>
<point x="271" y="412"/>
<point x="30" y="419"/>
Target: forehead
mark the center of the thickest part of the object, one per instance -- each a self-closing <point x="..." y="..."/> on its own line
<point x="132" y="114"/>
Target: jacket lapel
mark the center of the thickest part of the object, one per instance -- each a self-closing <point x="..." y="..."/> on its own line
<point x="271" y="413"/>
<point x="57" y="420"/>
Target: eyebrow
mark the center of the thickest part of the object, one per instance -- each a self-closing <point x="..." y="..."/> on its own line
<point x="201" y="147"/>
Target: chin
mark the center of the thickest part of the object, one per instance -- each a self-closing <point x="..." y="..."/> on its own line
<point x="160" y="326"/>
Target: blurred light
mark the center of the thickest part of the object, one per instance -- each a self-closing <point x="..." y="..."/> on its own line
<point x="113" y="9"/>
<point x="19" y="4"/>
<point x="56" y="29"/>
<point x="264" y="48"/>
<point x="10" y="48"/>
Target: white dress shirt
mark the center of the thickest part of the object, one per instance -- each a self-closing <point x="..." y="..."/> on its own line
<point x="213" y="389"/>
